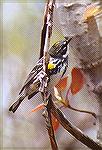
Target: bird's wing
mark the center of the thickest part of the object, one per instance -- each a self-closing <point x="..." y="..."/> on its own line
<point x="31" y="95"/>
<point x="37" y="68"/>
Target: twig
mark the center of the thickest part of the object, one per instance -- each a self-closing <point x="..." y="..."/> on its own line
<point x="78" y="134"/>
<point x="45" y="42"/>
<point x="49" y="124"/>
<point x="43" y="33"/>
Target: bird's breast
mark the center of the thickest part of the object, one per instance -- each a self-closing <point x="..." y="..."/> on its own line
<point x="54" y="79"/>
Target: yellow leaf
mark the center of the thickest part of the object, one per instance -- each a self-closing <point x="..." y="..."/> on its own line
<point x="92" y="10"/>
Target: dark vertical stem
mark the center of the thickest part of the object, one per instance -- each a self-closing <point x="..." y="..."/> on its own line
<point x="43" y="32"/>
<point x="50" y="128"/>
<point x="45" y="42"/>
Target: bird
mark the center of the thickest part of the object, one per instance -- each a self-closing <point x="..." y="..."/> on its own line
<point x="57" y="68"/>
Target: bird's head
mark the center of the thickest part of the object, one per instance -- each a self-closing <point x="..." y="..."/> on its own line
<point x="59" y="49"/>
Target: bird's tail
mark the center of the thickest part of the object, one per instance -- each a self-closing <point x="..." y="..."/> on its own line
<point x="16" y="104"/>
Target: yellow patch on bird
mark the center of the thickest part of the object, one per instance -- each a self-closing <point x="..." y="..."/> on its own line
<point x="51" y="66"/>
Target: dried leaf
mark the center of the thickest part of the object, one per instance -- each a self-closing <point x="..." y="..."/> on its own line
<point x="62" y="84"/>
<point x="77" y="80"/>
<point x="55" y="122"/>
<point x="39" y="107"/>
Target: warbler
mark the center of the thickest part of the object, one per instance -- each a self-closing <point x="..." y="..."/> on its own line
<point x="58" y="64"/>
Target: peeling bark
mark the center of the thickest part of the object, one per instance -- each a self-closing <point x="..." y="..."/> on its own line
<point x="86" y="47"/>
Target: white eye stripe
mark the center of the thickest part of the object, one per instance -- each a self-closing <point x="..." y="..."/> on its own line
<point x="67" y="52"/>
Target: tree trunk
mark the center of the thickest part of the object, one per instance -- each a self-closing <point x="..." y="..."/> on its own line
<point x="86" y="47"/>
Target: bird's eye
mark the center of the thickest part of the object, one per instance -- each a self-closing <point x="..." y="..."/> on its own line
<point x="64" y="43"/>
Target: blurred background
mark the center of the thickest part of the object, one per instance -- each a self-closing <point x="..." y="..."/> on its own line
<point x="20" y="43"/>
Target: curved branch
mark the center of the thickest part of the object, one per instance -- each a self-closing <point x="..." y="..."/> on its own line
<point x="78" y="134"/>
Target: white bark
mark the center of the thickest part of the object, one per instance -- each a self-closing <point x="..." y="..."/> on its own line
<point x="86" y="47"/>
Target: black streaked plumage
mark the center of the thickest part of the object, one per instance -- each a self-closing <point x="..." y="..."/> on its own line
<point x="59" y="57"/>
